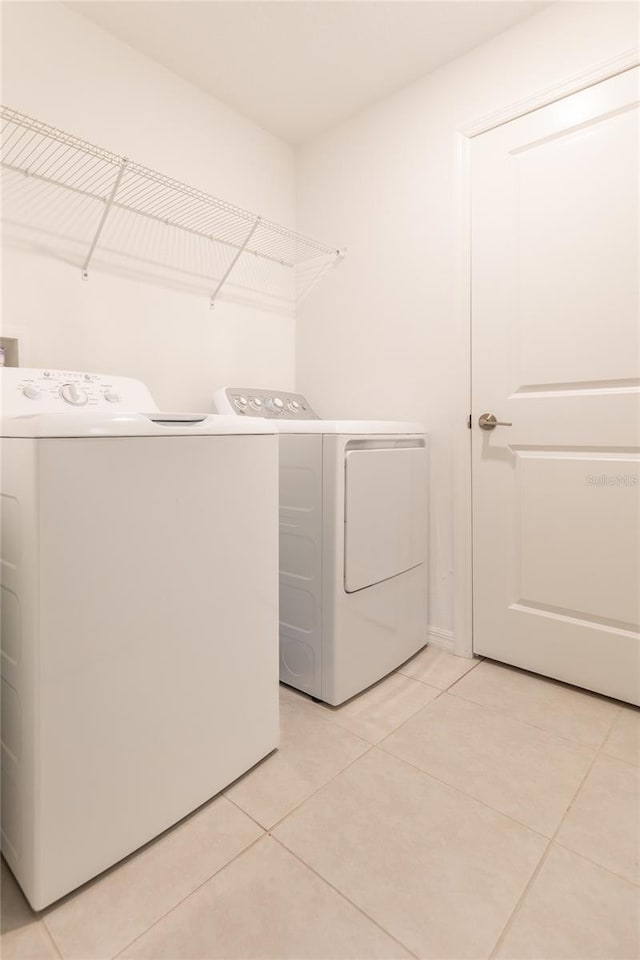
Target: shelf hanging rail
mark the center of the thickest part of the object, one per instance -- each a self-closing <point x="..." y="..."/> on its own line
<point x="50" y="155"/>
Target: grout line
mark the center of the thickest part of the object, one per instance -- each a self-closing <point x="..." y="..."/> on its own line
<point x="51" y="938"/>
<point x="370" y="747"/>
<point x="465" y="674"/>
<point x="478" y="661"/>
<point x="343" y="896"/>
<point x="541" y="862"/>
<point x="425" y="683"/>
<point x="397" y="729"/>
<point x="594" y="863"/>
<point x="242" y="810"/>
<point x="528" y="723"/>
<point x="267" y="831"/>
<point x="463" y="793"/>
<point x="600" y="752"/>
<point x="190" y="894"/>
<point x="401" y="723"/>
<point x="611" y="756"/>
<point x="176" y="827"/>
<point x="578" y="747"/>
<point x="523" y="895"/>
<point x="328" y="719"/>
<point x="323" y="711"/>
<point x="484" y="803"/>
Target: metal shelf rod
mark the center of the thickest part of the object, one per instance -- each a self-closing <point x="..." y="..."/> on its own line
<point x="233" y="263"/>
<point x="103" y="219"/>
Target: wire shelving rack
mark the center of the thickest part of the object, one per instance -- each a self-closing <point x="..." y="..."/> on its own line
<point x="116" y="189"/>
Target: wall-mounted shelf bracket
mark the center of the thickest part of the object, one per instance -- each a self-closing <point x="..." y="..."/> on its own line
<point x="331" y="262"/>
<point x="239" y="252"/>
<point x="84" y="272"/>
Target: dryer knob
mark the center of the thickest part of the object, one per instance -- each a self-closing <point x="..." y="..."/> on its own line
<point x="72" y="393"/>
<point x="30" y="392"/>
<point x="112" y="397"/>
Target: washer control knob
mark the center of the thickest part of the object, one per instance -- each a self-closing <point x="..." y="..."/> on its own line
<point x="274" y="404"/>
<point x="31" y="392"/>
<point x="241" y="402"/>
<point x="72" y="393"/>
<point x="256" y="402"/>
<point x="112" y="396"/>
<point x="293" y="405"/>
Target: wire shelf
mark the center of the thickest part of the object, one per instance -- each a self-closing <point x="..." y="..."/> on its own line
<point x="115" y="192"/>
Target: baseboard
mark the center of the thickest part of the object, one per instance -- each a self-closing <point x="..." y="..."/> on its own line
<point x="440" y="638"/>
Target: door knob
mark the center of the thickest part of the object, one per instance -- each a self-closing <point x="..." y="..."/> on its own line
<point x="488" y="422"/>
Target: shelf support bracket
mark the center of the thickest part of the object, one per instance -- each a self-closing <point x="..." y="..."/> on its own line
<point x="240" y="251"/>
<point x="329" y="265"/>
<point x="84" y="273"/>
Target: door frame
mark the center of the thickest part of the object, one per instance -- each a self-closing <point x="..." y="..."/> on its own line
<point x="462" y="438"/>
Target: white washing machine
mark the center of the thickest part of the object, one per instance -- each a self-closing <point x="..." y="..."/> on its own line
<point x="139" y="618"/>
<point x="353" y="542"/>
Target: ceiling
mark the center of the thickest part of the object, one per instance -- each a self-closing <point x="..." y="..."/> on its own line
<point x="299" y="68"/>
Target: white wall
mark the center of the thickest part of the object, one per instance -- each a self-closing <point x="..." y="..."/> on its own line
<point x="61" y="68"/>
<point x="379" y="338"/>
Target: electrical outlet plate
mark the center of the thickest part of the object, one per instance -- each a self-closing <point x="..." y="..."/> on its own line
<point x="11" y="353"/>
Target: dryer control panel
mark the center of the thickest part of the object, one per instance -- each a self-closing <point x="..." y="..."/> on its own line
<point x="270" y="404"/>
<point x="28" y="390"/>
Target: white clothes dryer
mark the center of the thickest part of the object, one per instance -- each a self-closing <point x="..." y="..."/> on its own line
<point x="353" y="542"/>
<point x="139" y="618"/>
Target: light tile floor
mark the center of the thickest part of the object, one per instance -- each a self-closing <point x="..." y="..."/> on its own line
<point x="458" y="809"/>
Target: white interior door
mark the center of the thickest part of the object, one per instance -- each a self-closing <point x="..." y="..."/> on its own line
<point x="555" y="352"/>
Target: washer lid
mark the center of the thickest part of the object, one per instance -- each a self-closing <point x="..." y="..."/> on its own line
<point x="95" y="423"/>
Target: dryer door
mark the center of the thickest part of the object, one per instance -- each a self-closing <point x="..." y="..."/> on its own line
<point x="385" y="514"/>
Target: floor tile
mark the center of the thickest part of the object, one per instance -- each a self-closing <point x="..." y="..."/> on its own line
<point x="312" y="750"/>
<point x="566" y="711"/>
<point x="515" y="768"/>
<point x="265" y="904"/>
<point x="381" y="709"/>
<point x="575" y="910"/>
<point x="437" y="667"/>
<point x="603" y="823"/>
<point x="22" y="935"/>
<point x="441" y="872"/>
<point x="624" y="740"/>
<point x="103" y="917"/>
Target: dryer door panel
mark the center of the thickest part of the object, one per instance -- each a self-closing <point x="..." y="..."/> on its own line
<point x="385" y="514"/>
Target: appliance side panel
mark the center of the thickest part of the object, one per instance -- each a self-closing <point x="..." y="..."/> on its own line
<point x="159" y="681"/>
<point x="19" y="658"/>
<point x="301" y="561"/>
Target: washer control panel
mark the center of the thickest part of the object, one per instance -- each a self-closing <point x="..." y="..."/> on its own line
<point x="270" y="404"/>
<point x="33" y="390"/>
